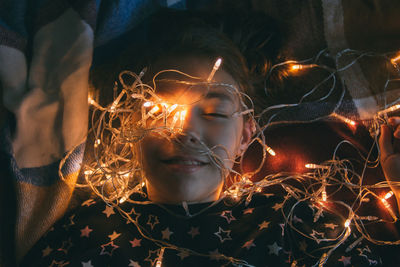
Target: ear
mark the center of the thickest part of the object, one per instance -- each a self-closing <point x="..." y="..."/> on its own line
<point x="249" y="128"/>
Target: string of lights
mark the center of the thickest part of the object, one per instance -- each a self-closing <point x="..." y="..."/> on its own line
<point x="137" y="111"/>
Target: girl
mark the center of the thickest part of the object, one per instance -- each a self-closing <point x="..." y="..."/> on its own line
<point x="164" y="150"/>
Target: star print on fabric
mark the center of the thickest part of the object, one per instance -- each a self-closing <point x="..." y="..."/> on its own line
<point x="46" y="251"/>
<point x="317" y="236"/>
<point x="330" y="225"/>
<point x="133" y="216"/>
<point x="66" y="245"/>
<point x="114" y="236"/>
<point x="274" y="249"/>
<point x="267" y="195"/>
<point x="263" y="225"/>
<point x="223" y="235"/>
<point x="194" y="231"/>
<point x="372" y="262"/>
<point x="282" y="225"/>
<point x="249" y="244"/>
<point x="153" y="221"/>
<point x="153" y="256"/>
<point x="345" y="260"/>
<point x="166" y="233"/>
<point x="183" y="254"/>
<point x="277" y="206"/>
<point x="227" y="214"/>
<point x="88" y="202"/>
<point x="248" y="211"/>
<point x="86" y="231"/>
<point x="297" y="219"/>
<point x="55" y="263"/>
<point x="363" y="250"/>
<point x="135" y="242"/>
<point x="215" y="255"/>
<point x="303" y="245"/>
<point x="133" y="263"/>
<point x="87" y="264"/>
<point x="318" y="214"/>
<point x="108" y="211"/>
<point x="71" y="222"/>
<point x="108" y="249"/>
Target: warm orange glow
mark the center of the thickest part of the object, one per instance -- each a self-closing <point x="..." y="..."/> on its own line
<point x="90" y="100"/>
<point x="214" y="69"/>
<point x="324" y="197"/>
<point x="175" y="119"/>
<point x="97" y="143"/>
<point x="296" y="67"/>
<point x="154" y="110"/>
<point x="344" y="119"/>
<point x="390" y="109"/>
<point x="315" y="166"/>
<point x="270" y="151"/>
<point x="395" y="60"/>
<point x="388" y="195"/>
<point x="147" y="104"/>
<point x="183" y="117"/>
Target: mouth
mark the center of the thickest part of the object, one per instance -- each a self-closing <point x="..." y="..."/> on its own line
<point x="184" y="164"/>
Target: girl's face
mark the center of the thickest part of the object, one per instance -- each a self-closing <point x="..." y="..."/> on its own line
<point x="177" y="169"/>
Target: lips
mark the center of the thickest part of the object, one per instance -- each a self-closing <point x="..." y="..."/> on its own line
<point x="179" y="160"/>
<point x="184" y="164"/>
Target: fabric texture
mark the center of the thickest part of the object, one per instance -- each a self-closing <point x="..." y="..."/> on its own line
<point x="97" y="235"/>
<point x="47" y="48"/>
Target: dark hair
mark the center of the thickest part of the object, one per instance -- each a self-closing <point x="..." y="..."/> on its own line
<point x="244" y="41"/>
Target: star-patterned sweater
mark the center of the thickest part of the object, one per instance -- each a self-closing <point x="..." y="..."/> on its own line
<point x="224" y="233"/>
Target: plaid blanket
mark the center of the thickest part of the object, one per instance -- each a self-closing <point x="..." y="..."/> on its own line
<point x="47" y="48"/>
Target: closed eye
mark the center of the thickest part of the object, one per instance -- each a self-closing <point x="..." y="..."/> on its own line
<point x="216" y="115"/>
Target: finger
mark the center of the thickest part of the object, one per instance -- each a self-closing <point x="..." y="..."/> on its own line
<point x="385" y="142"/>
<point x="394" y="121"/>
<point x="397" y="132"/>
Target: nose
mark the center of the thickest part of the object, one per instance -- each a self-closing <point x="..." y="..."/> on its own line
<point x="191" y="129"/>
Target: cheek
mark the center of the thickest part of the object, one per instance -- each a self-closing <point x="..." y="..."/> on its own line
<point x="227" y="137"/>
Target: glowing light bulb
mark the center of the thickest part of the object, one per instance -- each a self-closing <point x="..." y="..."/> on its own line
<point x="388" y="195"/>
<point x="172" y="108"/>
<point x="347" y="223"/>
<point x="123" y="199"/>
<point x="175" y="119"/>
<point x="270" y="150"/>
<point x="324" y="197"/>
<point x="214" y="69"/>
<point x="88" y="172"/>
<point x="147" y="104"/>
<point x="154" y="110"/>
<point x="296" y="67"/>
<point x="183" y="116"/>
<point x="315" y="166"/>
<point x="90" y="101"/>
<point x="390" y="109"/>
<point x="387" y="205"/>
<point x="160" y="258"/>
<point x="344" y="119"/>
<point x="395" y="60"/>
<point x="97" y="143"/>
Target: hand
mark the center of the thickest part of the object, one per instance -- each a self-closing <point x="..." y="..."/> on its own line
<point x="389" y="141"/>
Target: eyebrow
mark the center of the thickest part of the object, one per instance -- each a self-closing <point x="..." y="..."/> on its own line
<point x="221" y="96"/>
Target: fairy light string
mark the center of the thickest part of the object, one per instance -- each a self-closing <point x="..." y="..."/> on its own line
<point x="137" y="110"/>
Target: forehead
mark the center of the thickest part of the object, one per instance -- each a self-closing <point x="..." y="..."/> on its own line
<point x="192" y="81"/>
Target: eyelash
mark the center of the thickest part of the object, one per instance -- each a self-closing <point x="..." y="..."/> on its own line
<point x="218" y="115"/>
